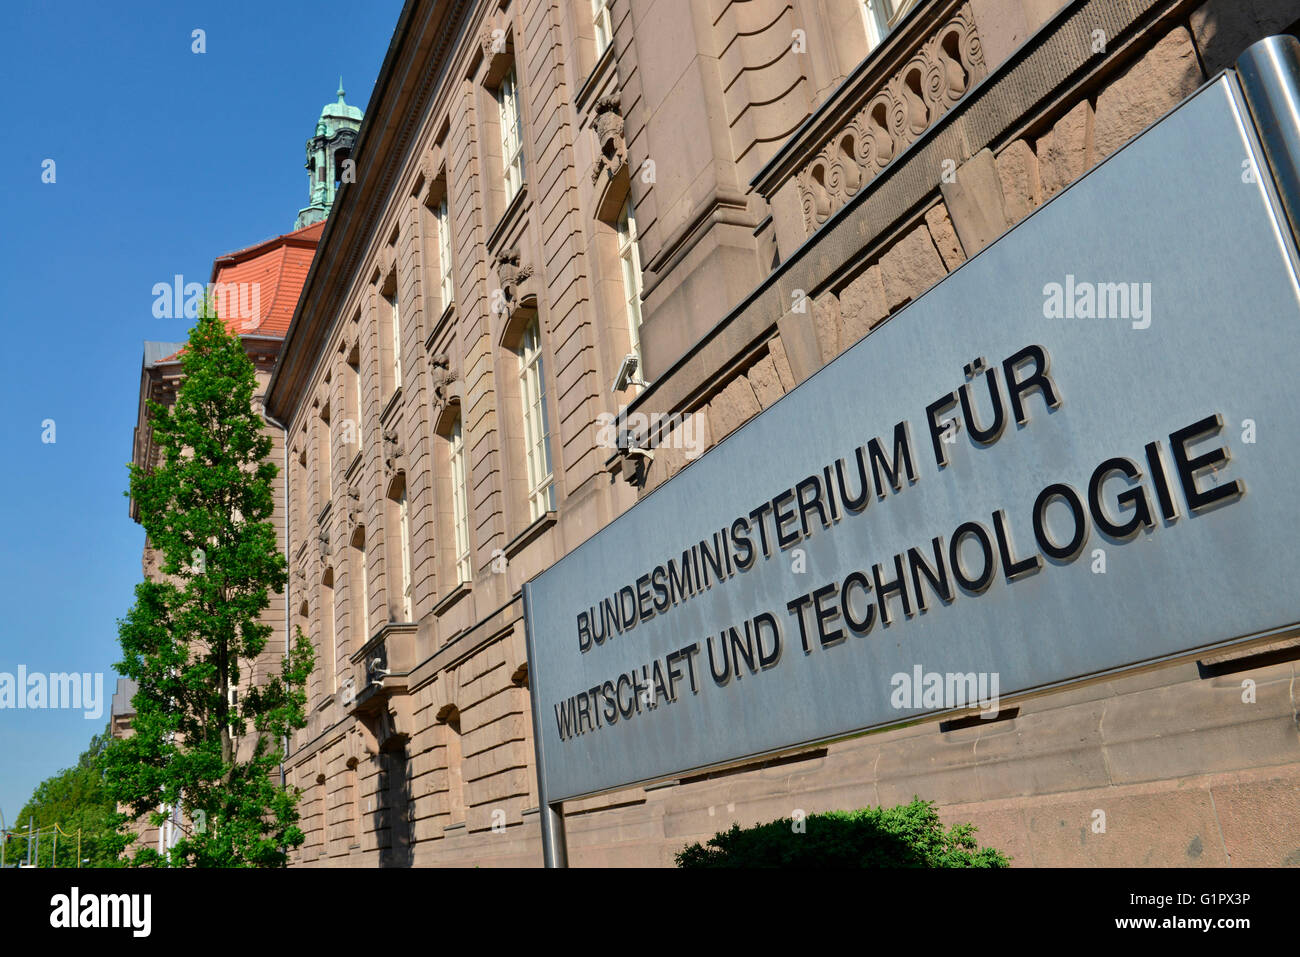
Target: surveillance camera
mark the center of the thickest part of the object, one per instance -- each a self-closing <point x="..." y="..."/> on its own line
<point x="627" y="373"/>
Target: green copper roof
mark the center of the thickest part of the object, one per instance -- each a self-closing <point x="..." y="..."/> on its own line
<point x="340" y="110"/>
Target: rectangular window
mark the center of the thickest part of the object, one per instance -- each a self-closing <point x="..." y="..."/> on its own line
<point x="355" y="374"/>
<point x="444" y="255"/>
<point x="459" y="500"/>
<point x="403" y="520"/>
<point x="541" y="487"/>
<point x="600" y="20"/>
<point x="630" y="257"/>
<point x="395" y="325"/>
<point x="329" y="629"/>
<point x="362" y="592"/>
<point x="326" y="455"/>
<point x="512" y="134"/>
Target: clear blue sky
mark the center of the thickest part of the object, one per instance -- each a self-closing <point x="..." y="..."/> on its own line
<point x="165" y="160"/>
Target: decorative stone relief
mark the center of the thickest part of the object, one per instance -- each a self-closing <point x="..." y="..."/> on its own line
<point x="352" y="506"/>
<point x="612" y="155"/>
<point x="393" y="450"/>
<point x="443" y="375"/>
<point x="513" y="277"/>
<point x="938" y="74"/>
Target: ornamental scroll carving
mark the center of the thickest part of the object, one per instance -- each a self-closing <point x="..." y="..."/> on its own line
<point x="936" y="76"/>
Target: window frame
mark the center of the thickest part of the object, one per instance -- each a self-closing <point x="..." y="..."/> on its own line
<point x="536" y="428"/>
<point x="602" y="26"/>
<point x="511" y="123"/>
<point x="629" y="255"/>
<point x="395" y="328"/>
<point x="459" y="498"/>
<point x="446" y="282"/>
<point x="404" y="526"/>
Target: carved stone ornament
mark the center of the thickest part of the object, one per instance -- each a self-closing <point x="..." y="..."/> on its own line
<point x="352" y="503"/>
<point x="946" y="64"/>
<point x="443" y="375"/>
<point x="324" y="538"/>
<point x="513" y="276"/>
<point x="393" y="450"/>
<point x="493" y="40"/>
<point x="612" y="148"/>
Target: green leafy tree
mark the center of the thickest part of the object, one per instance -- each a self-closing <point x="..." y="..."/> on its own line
<point x="908" y="835"/>
<point x="190" y="637"/>
<point x="75" y="800"/>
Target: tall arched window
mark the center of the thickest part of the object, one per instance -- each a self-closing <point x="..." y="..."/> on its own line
<point x="360" y="590"/>
<point x="537" y="435"/>
<point x="512" y="133"/>
<point x="442" y="218"/>
<point x="630" y="256"/>
<point x="459" y="498"/>
<point x="404" y="528"/>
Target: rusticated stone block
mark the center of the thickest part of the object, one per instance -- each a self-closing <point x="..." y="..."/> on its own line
<point x="798" y="335"/>
<point x="910" y="267"/>
<point x="733" y="407"/>
<point x="776" y="349"/>
<point x="1066" y="151"/>
<point x="944" y="236"/>
<point x="826" y="323"/>
<point x="862" y="304"/>
<point x="766" y="383"/>
<point x="1022" y="191"/>
<point x="1146" y="91"/>
<point x="974" y="200"/>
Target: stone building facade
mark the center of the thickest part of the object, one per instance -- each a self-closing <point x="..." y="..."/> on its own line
<point x="732" y="192"/>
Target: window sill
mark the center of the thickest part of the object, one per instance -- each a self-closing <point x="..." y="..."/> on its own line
<point x="529" y="534"/>
<point x="353" y="467"/>
<point x="446" y="603"/>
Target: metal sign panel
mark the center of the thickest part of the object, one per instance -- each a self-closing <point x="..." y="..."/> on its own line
<point x="1112" y="387"/>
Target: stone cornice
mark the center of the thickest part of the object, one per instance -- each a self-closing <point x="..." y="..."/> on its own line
<point x="418" y="58"/>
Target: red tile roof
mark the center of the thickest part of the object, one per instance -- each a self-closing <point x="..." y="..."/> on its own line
<point x="274" y="271"/>
<point x="264" y="280"/>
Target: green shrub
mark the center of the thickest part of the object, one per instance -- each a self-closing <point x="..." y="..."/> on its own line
<point x="909" y="835"/>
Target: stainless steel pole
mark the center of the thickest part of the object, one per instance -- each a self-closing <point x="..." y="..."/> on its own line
<point x="1269" y="71"/>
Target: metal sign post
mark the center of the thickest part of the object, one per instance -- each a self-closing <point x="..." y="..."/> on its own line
<point x="555" y="847"/>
